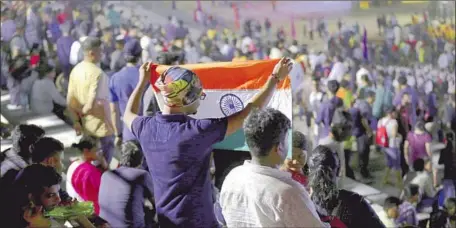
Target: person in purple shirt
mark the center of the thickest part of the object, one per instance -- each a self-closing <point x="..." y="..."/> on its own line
<point x="121" y="85"/>
<point x="327" y="109"/>
<point x="126" y="206"/>
<point x="404" y="88"/>
<point x="178" y="147"/>
<point x="8" y="27"/>
<point x="403" y="212"/>
<point x="430" y="103"/>
<point x="63" y="49"/>
<point x="170" y="30"/>
<point x="181" y="31"/>
<point x="362" y="117"/>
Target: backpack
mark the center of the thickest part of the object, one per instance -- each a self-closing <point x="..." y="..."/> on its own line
<point x="381" y="137"/>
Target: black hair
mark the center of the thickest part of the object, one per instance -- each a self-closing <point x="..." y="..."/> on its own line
<point x="44" y="148"/>
<point x="365" y="78"/>
<point x="418" y="165"/>
<point x="34" y="178"/>
<point x="341" y="125"/>
<point x="86" y="142"/>
<point x="450" y="204"/>
<point x="438" y="219"/>
<point x="333" y="86"/>
<point x="391" y="202"/>
<point x="23" y="136"/>
<point x="323" y="167"/>
<point x="132" y="59"/>
<point x="402" y="80"/>
<point x="132" y="155"/>
<point x="264" y="129"/>
<point x="370" y="94"/>
<point x="420" y="125"/>
<point x="411" y="190"/>
<point x="299" y="140"/>
<point x="167" y="58"/>
<point x="344" y="84"/>
<point x="43" y="69"/>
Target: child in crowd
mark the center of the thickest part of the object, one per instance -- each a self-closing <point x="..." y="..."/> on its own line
<point x="403" y="212"/>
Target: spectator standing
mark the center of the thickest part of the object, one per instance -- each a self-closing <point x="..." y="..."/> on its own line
<point x="64" y="49"/>
<point x="117" y="56"/>
<point x="34" y="25"/>
<point x="192" y="173"/>
<point x="392" y="151"/>
<point x="417" y="144"/>
<point x="8" y="26"/>
<point x="327" y="108"/>
<point x="19" y="52"/>
<point x="88" y="95"/>
<point x="341" y="128"/>
<point x="362" y="116"/>
<point x="76" y="53"/>
<point x="125" y="206"/>
<point x="121" y="85"/>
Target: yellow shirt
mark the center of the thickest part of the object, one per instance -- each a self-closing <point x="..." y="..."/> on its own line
<point x="211" y="33"/>
<point x="239" y="59"/>
<point x="421" y="55"/>
<point x="88" y="82"/>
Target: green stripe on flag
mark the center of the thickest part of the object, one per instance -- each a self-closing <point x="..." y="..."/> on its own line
<point x="235" y="142"/>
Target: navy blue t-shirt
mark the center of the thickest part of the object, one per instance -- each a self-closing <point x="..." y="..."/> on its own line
<point x="358" y="128"/>
<point x="177" y="150"/>
<point x="121" y="85"/>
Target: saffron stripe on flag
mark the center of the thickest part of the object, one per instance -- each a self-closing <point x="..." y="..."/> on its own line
<point x="229" y="87"/>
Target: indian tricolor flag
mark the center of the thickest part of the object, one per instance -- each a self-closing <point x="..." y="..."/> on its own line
<point x="229" y="86"/>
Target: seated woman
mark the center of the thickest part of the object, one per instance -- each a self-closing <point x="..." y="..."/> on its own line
<point x="329" y="200"/>
<point x="45" y="98"/>
<point x="86" y="177"/>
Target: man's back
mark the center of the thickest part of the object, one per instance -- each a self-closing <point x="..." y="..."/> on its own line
<point x="121" y="85"/>
<point x="124" y="207"/>
<point x="177" y="150"/>
<point x="259" y="196"/>
<point x="87" y="80"/>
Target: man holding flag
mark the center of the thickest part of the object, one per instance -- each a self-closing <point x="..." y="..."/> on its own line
<point x="177" y="147"/>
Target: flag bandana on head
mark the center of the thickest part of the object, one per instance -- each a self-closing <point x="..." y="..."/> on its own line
<point x="228" y="87"/>
<point x="179" y="87"/>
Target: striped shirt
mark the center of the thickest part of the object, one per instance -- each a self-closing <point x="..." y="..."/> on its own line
<point x="407" y="215"/>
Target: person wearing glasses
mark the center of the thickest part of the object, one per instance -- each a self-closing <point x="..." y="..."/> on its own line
<point x="177" y="147"/>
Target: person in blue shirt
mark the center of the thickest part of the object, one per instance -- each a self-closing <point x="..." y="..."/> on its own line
<point x="121" y="85"/>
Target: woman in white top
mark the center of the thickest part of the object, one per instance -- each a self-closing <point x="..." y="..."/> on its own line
<point x="392" y="152"/>
<point x="45" y="98"/>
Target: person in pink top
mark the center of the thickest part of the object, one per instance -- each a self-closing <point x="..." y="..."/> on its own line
<point x="417" y="144"/>
<point x="87" y="177"/>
